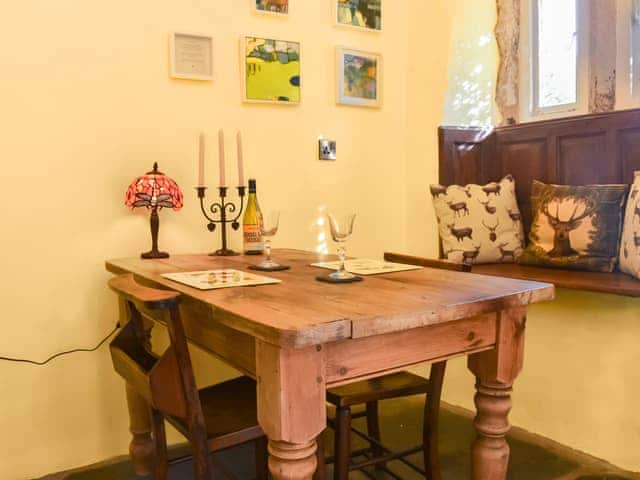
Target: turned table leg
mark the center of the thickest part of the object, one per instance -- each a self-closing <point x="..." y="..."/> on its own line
<point x="495" y="371"/>
<point x="141" y="447"/>
<point x="291" y="407"/>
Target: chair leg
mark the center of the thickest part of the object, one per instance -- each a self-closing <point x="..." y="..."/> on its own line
<point x="342" y="444"/>
<point x="160" y="444"/>
<point x="321" y="471"/>
<point x="431" y="422"/>
<point x="373" y="429"/>
<point x="262" y="458"/>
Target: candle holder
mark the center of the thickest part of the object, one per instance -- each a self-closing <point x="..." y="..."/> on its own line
<point x="222" y="209"/>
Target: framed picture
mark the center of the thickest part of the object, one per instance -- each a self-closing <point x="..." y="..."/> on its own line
<point x="364" y="14"/>
<point x="359" y="79"/>
<point x="190" y="56"/>
<point x="276" y="7"/>
<point x="270" y="70"/>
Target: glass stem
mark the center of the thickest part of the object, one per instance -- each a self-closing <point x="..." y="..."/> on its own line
<point x="341" y="255"/>
<point x="267" y="248"/>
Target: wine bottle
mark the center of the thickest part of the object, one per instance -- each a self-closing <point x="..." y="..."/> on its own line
<point x="253" y="243"/>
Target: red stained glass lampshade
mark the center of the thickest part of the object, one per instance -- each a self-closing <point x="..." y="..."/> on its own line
<point x="154" y="190"/>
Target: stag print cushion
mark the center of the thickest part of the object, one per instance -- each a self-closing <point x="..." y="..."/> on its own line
<point x="630" y="244"/>
<point x="575" y="227"/>
<point x="479" y="223"/>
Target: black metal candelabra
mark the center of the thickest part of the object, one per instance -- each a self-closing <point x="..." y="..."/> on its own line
<point x="227" y="213"/>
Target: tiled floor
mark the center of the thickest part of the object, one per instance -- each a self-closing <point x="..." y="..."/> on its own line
<point x="401" y="427"/>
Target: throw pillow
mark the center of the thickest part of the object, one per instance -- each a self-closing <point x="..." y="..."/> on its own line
<point x="575" y="227"/>
<point x="479" y="223"/>
<point x="630" y="244"/>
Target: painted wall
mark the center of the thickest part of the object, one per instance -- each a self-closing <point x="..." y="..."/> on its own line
<point x="87" y="105"/>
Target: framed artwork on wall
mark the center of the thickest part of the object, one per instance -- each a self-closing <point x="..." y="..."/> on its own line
<point x="359" y="78"/>
<point x="275" y="7"/>
<point x="363" y="14"/>
<point x="190" y="56"/>
<point x="270" y="70"/>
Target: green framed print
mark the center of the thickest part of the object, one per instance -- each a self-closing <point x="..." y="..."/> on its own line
<point x="270" y="70"/>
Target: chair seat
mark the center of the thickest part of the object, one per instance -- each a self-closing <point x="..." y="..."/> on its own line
<point x="395" y="385"/>
<point x="230" y="414"/>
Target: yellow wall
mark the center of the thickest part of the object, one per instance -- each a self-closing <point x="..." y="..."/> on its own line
<point x="86" y="105"/>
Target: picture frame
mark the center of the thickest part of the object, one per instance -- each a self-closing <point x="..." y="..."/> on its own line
<point x="255" y="5"/>
<point x="270" y="70"/>
<point x="190" y="56"/>
<point x="358" y="78"/>
<point x="361" y="17"/>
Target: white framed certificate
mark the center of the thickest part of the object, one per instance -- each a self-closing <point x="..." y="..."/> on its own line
<point x="191" y="56"/>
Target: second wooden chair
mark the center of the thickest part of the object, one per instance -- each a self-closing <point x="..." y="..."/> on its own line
<point x="371" y="392"/>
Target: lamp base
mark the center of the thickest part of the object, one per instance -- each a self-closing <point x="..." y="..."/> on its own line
<point x="154" y="254"/>
<point x="224" y="252"/>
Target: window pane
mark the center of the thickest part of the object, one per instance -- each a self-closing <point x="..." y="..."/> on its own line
<point x="557" y="53"/>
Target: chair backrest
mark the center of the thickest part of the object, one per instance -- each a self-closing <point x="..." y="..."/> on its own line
<point x="166" y="381"/>
<point x="427" y="262"/>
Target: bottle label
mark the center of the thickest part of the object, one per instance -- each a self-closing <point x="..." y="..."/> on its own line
<point x="252" y="239"/>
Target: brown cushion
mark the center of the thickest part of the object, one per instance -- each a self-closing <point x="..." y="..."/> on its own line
<point x="575" y="227"/>
<point x="479" y="223"/>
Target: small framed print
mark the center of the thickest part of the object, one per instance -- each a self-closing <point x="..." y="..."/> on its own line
<point x="359" y="81"/>
<point x="361" y="14"/>
<point x="191" y="56"/>
<point x="273" y="7"/>
<point x="270" y="70"/>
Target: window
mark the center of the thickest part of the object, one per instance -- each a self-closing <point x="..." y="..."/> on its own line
<point x="553" y="64"/>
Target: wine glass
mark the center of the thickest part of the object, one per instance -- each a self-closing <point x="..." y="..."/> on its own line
<point x="341" y="229"/>
<point x="268" y="225"/>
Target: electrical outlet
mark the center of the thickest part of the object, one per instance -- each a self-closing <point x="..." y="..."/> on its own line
<point x="327" y="149"/>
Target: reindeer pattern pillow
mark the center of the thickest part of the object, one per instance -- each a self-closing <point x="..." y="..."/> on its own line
<point x="630" y="244"/>
<point x="575" y="227"/>
<point x="479" y="223"/>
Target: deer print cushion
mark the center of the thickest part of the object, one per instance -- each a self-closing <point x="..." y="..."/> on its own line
<point x="575" y="227"/>
<point x="630" y="244"/>
<point x="479" y="223"/>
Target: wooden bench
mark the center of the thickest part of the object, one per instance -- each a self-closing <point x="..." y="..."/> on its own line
<point x="583" y="150"/>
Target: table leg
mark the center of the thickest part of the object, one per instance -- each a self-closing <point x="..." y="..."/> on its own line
<point x="495" y="372"/>
<point x="291" y="407"/>
<point x="141" y="447"/>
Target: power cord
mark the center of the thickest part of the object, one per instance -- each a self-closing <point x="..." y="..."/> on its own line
<point x="52" y="357"/>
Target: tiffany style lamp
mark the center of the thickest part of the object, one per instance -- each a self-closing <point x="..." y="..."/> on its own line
<point x="154" y="191"/>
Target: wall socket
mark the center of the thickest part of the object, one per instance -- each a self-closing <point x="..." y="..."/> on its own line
<point x="327" y="149"/>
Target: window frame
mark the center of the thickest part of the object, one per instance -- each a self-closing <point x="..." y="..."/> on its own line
<point x="529" y="78"/>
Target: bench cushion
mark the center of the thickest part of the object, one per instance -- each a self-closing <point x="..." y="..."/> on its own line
<point x="575" y="227"/>
<point x="479" y="223"/>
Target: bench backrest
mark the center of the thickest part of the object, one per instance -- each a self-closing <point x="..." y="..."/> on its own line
<point x="590" y="149"/>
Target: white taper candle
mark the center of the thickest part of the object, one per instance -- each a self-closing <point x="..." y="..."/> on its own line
<point x="223" y="181"/>
<point x="201" y="161"/>
<point x="240" y="160"/>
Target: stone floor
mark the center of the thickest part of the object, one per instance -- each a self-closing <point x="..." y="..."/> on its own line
<point x="532" y="458"/>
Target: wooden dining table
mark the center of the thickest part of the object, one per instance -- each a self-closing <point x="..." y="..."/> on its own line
<point x="300" y="337"/>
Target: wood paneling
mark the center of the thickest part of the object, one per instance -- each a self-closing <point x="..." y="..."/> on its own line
<point x="600" y="149"/>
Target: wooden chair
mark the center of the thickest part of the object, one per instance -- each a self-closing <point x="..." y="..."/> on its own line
<point x="396" y="385"/>
<point x="212" y="419"/>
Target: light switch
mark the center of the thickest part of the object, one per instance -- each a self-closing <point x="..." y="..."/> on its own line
<point x="327" y="149"/>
